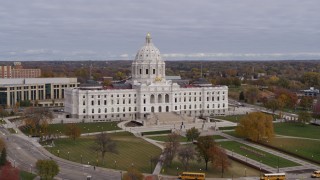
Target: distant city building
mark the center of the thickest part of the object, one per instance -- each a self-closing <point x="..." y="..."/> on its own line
<point x="17" y="71"/>
<point x="145" y="93"/>
<point x="312" y="92"/>
<point x="40" y="91"/>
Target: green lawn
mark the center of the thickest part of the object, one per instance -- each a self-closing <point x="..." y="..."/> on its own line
<point x="298" y="130"/>
<point x="218" y="137"/>
<point x="164" y="138"/>
<point x="12" y="131"/>
<point x="27" y="176"/>
<point x="131" y="150"/>
<point x="156" y="132"/>
<point x="267" y="158"/>
<point x="232" y="118"/>
<point x="85" y="127"/>
<point x="227" y="128"/>
<point x="306" y="148"/>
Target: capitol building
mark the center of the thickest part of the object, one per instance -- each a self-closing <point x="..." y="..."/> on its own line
<point x="146" y="94"/>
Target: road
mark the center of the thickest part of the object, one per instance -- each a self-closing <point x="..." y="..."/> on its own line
<point x="24" y="153"/>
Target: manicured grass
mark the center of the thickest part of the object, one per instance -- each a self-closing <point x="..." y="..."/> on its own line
<point x="2" y="121"/>
<point x="27" y="176"/>
<point x="303" y="147"/>
<point x="232" y="118"/>
<point x="227" y="128"/>
<point x="218" y="137"/>
<point x="85" y="127"/>
<point x="233" y="133"/>
<point x="12" y="131"/>
<point x="267" y="158"/>
<point x="156" y="132"/>
<point x="236" y="170"/>
<point x="164" y="138"/>
<point x="130" y="150"/>
<point x="298" y="130"/>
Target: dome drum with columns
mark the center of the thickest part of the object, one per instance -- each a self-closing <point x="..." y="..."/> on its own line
<point x="150" y="93"/>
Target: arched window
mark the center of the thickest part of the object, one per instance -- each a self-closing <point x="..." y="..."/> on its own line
<point x="84" y="111"/>
<point x="99" y="110"/>
<point x="167" y="98"/>
<point x="159" y="98"/>
<point x="152" y="99"/>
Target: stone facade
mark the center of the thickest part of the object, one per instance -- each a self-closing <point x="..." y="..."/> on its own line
<point x="150" y="93"/>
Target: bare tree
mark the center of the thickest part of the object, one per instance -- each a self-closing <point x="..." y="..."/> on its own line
<point x="186" y="154"/>
<point x="104" y="144"/>
<point x="73" y="131"/>
<point x="204" y="146"/>
<point x="221" y="159"/>
<point x="171" y="148"/>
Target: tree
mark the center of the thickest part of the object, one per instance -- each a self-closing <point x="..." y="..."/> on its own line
<point x="252" y="94"/>
<point x="3" y="157"/>
<point x="37" y="119"/>
<point x="273" y="105"/>
<point x="47" y="169"/>
<point x="9" y="173"/>
<point x="304" y="117"/>
<point x="256" y="126"/>
<point x="306" y="102"/>
<point x="204" y="144"/>
<point x="2" y="144"/>
<point x="185" y="154"/>
<point x="192" y="134"/>
<point x="73" y="131"/>
<point x="104" y="144"/>
<point x="133" y="174"/>
<point x="171" y="148"/>
<point x="221" y="159"/>
<point x="241" y="96"/>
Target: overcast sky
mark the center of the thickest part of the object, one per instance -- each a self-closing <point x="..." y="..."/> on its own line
<point x="181" y="29"/>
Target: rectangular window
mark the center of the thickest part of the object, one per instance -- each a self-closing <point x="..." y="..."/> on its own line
<point x="147" y="71"/>
<point x="154" y="71"/>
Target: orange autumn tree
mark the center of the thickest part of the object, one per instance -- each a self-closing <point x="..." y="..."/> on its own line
<point x="256" y="126"/>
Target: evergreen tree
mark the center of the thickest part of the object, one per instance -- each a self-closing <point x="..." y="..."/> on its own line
<point x="3" y="157"/>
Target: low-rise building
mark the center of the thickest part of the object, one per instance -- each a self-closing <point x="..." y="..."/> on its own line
<point x="39" y="91"/>
<point x="17" y="71"/>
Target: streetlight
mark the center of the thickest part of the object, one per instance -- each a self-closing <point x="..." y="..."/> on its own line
<point x="278" y="164"/>
<point x="260" y="167"/>
<point x="246" y="158"/>
<point x="121" y="175"/>
<point x="132" y="164"/>
<point x="245" y="172"/>
<point x="68" y="155"/>
<point x="81" y="158"/>
<point x="58" y="153"/>
<point x="150" y="164"/>
<point x="177" y="171"/>
<point x="115" y="164"/>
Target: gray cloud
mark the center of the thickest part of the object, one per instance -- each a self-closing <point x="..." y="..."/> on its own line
<point x="103" y="29"/>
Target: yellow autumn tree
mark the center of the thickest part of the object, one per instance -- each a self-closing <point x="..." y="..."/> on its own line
<point x="256" y="126"/>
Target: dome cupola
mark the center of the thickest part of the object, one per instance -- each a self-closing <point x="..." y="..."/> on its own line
<point x="148" y="52"/>
<point x="148" y="65"/>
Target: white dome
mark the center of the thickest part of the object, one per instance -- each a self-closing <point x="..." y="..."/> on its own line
<point x="148" y="52"/>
